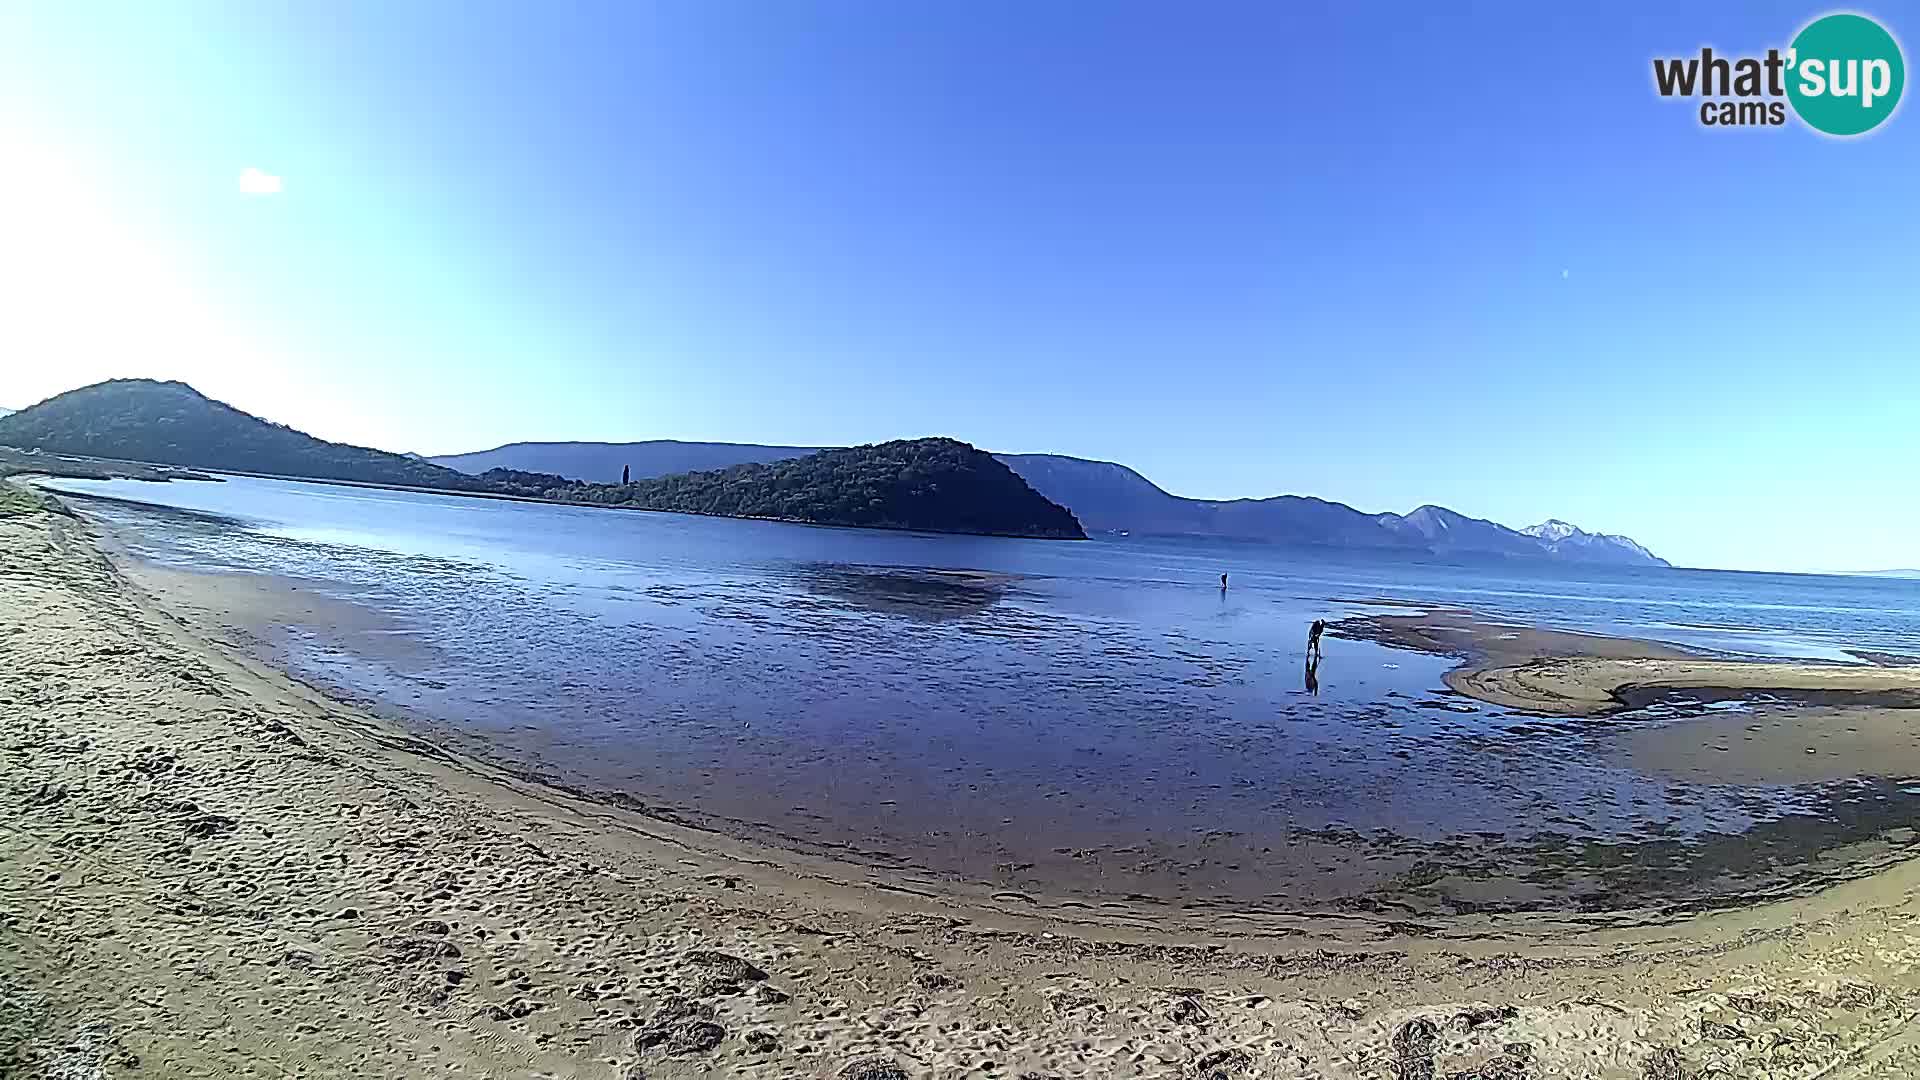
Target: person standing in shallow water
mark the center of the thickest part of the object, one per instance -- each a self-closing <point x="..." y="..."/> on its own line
<point x="1313" y="636"/>
<point x="1223" y="583"/>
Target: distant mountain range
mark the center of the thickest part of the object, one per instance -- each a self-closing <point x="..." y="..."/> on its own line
<point x="1112" y="498"/>
<point x="933" y="485"/>
<point x="600" y="463"/>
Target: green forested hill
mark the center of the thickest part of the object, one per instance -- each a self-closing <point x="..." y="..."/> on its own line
<point x="171" y="423"/>
<point x="939" y="485"/>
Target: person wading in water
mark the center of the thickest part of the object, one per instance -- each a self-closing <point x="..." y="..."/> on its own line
<point x="1313" y="636"/>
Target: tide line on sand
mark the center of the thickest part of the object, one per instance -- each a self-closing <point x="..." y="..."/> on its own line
<point x="208" y="869"/>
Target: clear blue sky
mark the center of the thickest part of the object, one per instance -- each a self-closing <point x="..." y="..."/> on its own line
<point x="1390" y="255"/>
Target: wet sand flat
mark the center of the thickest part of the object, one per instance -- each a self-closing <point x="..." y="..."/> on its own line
<point x="207" y="869"/>
<point x="1054" y="738"/>
<point x="1568" y="674"/>
<point x="1269" y="863"/>
<point x="1780" y="744"/>
<point x="1587" y="686"/>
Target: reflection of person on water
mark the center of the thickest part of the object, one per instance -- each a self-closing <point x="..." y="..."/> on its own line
<point x="1313" y="674"/>
<point x="1313" y="636"/>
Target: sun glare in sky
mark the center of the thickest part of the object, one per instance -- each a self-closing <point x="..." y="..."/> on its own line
<point x="90" y="296"/>
<point x="256" y="182"/>
<point x="421" y="228"/>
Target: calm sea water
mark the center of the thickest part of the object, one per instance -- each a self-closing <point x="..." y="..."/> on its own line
<point x="1095" y="717"/>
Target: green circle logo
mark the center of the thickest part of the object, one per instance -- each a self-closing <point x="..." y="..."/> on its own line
<point x="1845" y="74"/>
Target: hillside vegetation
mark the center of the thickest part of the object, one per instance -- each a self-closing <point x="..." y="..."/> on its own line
<point x="934" y="484"/>
<point x="937" y="485"/>
<point x="1111" y="498"/>
<point x="171" y="423"/>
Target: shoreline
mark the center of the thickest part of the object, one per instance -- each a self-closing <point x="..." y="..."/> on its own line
<point x="1435" y="878"/>
<point x="52" y="466"/>
<point x="1572" y="674"/>
<point x="286" y="870"/>
<point x="1422" y="879"/>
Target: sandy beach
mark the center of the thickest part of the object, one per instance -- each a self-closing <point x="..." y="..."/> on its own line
<point x="1571" y="674"/>
<point x="211" y="869"/>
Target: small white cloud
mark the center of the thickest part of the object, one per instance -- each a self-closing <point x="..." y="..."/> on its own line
<point x="1563" y="273"/>
<point x="255" y="182"/>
